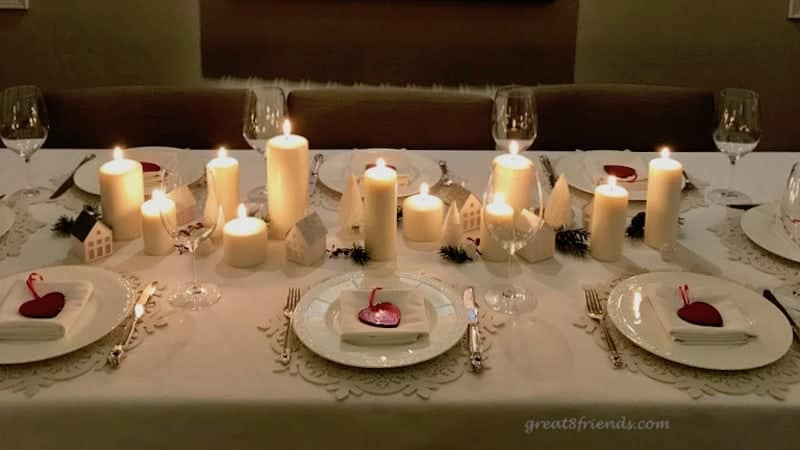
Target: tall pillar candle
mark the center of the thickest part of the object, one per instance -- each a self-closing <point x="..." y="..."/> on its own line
<point x="513" y="174"/>
<point x="157" y="241"/>
<point x="121" y="196"/>
<point x="244" y="240"/>
<point x="287" y="181"/>
<point x="422" y="216"/>
<point x="496" y="214"/>
<point x="609" y="216"/>
<point x="380" y="211"/>
<point x="223" y="171"/>
<point x="665" y="180"/>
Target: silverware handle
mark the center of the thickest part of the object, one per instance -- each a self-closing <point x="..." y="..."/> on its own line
<point x="474" y="344"/>
<point x="286" y="353"/>
<point x="612" y="347"/>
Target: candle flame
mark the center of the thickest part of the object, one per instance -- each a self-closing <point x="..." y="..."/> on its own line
<point x="117" y="153"/>
<point x="241" y="212"/>
<point x="158" y="195"/>
<point x="287" y="127"/>
<point x="222" y="153"/>
<point x="612" y="181"/>
<point x="424" y="189"/>
<point x="665" y="152"/>
<point x="513" y="148"/>
<point x="380" y="163"/>
<point x="499" y="198"/>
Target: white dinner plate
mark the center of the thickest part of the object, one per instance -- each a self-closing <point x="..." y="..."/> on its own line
<point x="190" y="168"/>
<point x="316" y="324"/>
<point x="760" y="225"/>
<point x="572" y="166"/>
<point x="639" y="323"/>
<point x="110" y="303"/>
<point x="336" y="170"/>
<point x="7" y="218"/>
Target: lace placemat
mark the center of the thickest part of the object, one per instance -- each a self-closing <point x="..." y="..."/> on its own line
<point x="31" y="377"/>
<point x="420" y="380"/>
<point x="24" y="225"/>
<point x="774" y="380"/>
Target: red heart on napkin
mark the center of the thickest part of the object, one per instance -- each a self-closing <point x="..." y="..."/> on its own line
<point x="623" y="173"/>
<point x="383" y="315"/>
<point x="700" y="313"/>
<point x="150" y="167"/>
<point x="44" y="307"/>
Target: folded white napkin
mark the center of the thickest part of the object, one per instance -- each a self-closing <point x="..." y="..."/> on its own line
<point x="14" y="326"/>
<point x="396" y="158"/>
<point x="736" y="329"/>
<point x="413" y="317"/>
<point x="594" y="162"/>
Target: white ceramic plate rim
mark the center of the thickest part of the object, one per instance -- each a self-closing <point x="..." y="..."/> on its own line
<point x="312" y="327"/>
<point x="109" y="306"/>
<point x="760" y="225"/>
<point x="7" y="218"/>
<point x="641" y="326"/>
<point x="334" y="170"/>
<point x="191" y="168"/>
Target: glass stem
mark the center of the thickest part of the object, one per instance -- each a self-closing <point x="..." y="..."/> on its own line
<point x="731" y="174"/>
<point x="508" y="292"/>
<point x="194" y="269"/>
<point x="28" y="178"/>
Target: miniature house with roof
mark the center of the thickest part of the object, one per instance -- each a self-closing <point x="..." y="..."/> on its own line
<point x="91" y="238"/>
<point x="306" y="241"/>
<point x="468" y="205"/>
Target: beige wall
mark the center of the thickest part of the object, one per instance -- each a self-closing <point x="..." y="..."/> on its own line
<point x="711" y="43"/>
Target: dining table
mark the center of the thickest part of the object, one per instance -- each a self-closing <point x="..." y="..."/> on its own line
<point x="211" y="379"/>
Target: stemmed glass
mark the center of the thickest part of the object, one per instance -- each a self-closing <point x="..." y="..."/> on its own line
<point x="789" y="210"/>
<point x="737" y="134"/>
<point x="188" y="237"/>
<point x="24" y="126"/>
<point x="514" y="117"/>
<point x="264" y="112"/>
<point x="512" y="219"/>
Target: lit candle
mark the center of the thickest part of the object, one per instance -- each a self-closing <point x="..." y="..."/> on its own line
<point x="665" y="180"/>
<point x="380" y="211"/>
<point x="121" y="196"/>
<point x="244" y="240"/>
<point x="287" y="181"/>
<point x="422" y="216"/>
<point x="513" y="174"/>
<point x="609" y="214"/>
<point x="498" y="213"/>
<point x="157" y="241"/>
<point x="226" y="182"/>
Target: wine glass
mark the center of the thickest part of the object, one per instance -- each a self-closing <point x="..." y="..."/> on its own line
<point x="264" y="112"/>
<point x="789" y="210"/>
<point x="188" y="237"/>
<point x="737" y="134"/>
<point x="513" y="214"/>
<point x="24" y="126"/>
<point x="514" y="117"/>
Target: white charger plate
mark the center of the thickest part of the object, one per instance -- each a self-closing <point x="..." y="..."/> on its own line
<point x="7" y="218"/>
<point x="316" y="324"/>
<point x="109" y="305"/>
<point x="760" y="225"/>
<point x="189" y="167"/>
<point x="639" y="323"/>
<point x="336" y="170"/>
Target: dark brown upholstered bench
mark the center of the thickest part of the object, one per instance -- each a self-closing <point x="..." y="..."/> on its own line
<point x="146" y="115"/>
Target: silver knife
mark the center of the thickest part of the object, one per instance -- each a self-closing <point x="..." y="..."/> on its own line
<point x="70" y="181"/>
<point x="473" y="330"/>
<point x="548" y="168"/>
<point x="774" y="300"/>
<point x="117" y="353"/>
<point x="318" y="159"/>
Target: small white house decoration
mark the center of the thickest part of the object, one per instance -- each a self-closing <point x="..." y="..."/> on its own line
<point x="467" y="203"/>
<point x="91" y="239"/>
<point x="185" y="203"/>
<point x="307" y="240"/>
<point x="558" y="212"/>
<point x="541" y="246"/>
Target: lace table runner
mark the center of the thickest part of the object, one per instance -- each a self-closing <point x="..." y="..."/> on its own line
<point x="774" y="380"/>
<point x="31" y="377"/>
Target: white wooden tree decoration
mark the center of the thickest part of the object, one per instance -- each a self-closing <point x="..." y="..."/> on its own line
<point x="452" y="229"/>
<point x="91" y="238"/>
<point x="351" y="207"/>
<point x="185" y="203"/>
<point x="307" y="240"/>
<point x="468" y="205"/>
<point x="587" y="216"/>
<point x="542" y="245"/>
<point x="558" y="212"/>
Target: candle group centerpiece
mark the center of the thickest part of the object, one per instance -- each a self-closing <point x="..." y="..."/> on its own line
<point x="287" y="180"/>
<point x="225" y="179"/>
<point x="663" y="201"/>
<point x="609" y="216"/>
<point x="244" y="240"/>
<point x="422" y="216"/>
<point x="513" y="174"/>
<point x="121" y="196"/>
<point x="380" y="211"/>
<point x="157" y="240"/>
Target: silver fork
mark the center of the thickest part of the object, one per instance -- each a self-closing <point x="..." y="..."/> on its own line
<point x="596" y="312"/>
<point x="288" y="312"/>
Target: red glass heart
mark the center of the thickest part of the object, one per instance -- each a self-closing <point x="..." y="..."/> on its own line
<point x="623" y="173"/>
<point x="44" y="307"/>
<point x="382" y="315"/>
<point x="150" y="167"/>
<point x="700" y="313"/>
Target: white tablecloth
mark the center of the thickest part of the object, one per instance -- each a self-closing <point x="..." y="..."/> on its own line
<point x="206" y="382"/>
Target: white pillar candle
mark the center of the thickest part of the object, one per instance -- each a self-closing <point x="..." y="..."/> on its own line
<point x="157" y="241"/>
<point x="513" y="174"/>
<point x="244" y="240"/>
<point x="287" y="181"/>
<point x="609" y="214"/>
<point x="422" y="216"/>
<point x="497" y="214"/>
<point x="121" y="196"/>
<point x="380" y="211"/>
<point x="665" y="180"/>
<point x="225" y="176"/>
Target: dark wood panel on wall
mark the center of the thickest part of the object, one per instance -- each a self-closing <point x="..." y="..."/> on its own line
<point x="383" y="41"/>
